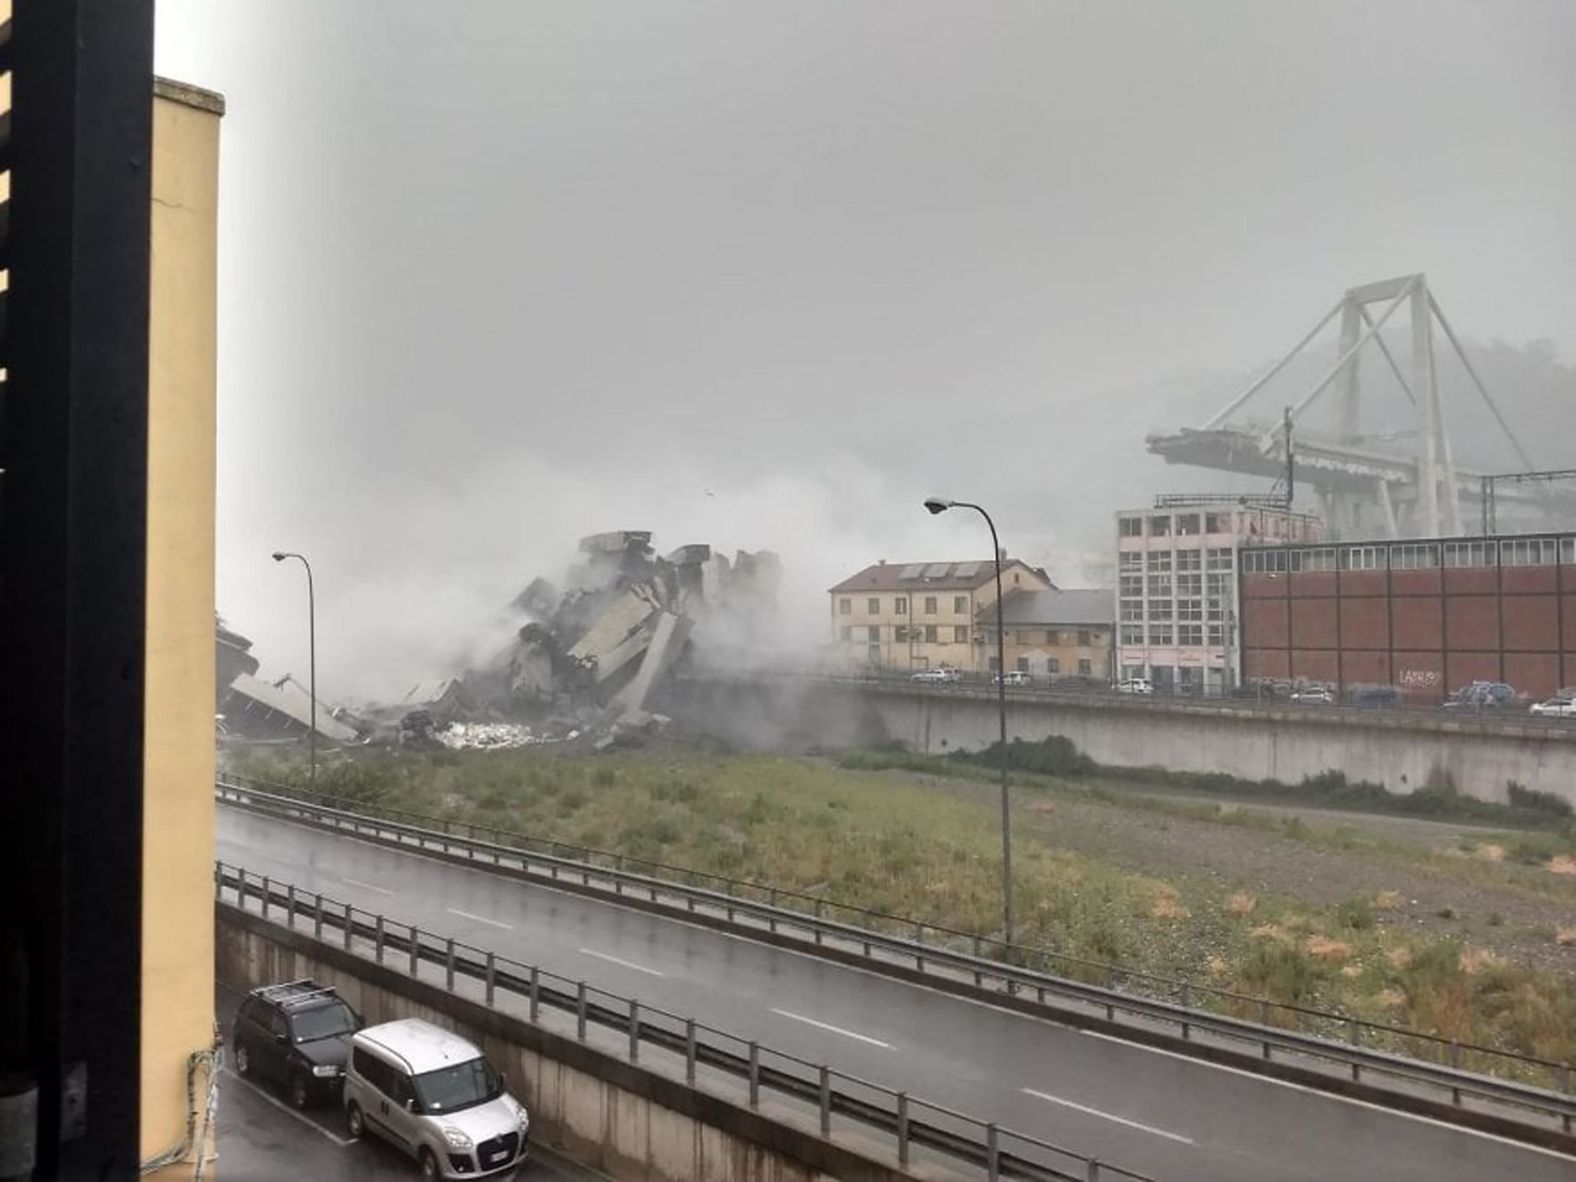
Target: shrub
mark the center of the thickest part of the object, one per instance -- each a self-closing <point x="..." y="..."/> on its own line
<point x="1537" y="801"/>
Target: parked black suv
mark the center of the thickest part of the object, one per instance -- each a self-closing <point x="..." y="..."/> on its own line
<point x="298" y="1035"/>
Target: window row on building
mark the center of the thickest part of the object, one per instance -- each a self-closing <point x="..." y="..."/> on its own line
<point x="1265" y="521"/>
<point x="1480" y="553"/>
<point x="931" y="605"/>
<point x="907" y="634"/>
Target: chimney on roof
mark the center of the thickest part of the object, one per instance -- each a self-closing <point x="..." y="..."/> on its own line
<point x="881" y="562"/>
<point x="1001" y="555"/>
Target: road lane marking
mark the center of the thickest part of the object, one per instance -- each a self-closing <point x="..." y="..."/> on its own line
<point x="1333" y="1097"/>
<point x="286" y="1109"/>
<point x="508" y="927"/>
<point x="628" y="964"/>
<point x="366" y="886"/>
<point x="1121" y="1120"/>
<point x="875" y="1042"/>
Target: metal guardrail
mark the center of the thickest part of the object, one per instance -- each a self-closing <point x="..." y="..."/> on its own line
<point x="929" y="945"/>
<point x="911" y="1121"/>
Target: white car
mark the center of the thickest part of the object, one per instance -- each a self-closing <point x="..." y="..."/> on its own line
<point x="435" y="1096"/>
<point x="934" y="675"/>
<point x="1559" y="706"/>
<point x="1313" y="695"/>
<point x="1013" y="677"/>
<point x="1135" y="685"/>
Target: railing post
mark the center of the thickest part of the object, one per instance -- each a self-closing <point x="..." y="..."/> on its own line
<point x="492" y="976"/>
<point x="1186" y="998"/>
<point x="536" y="993"/>
<point x="415" y="948"/>
<point x="992" y="1154"/>
<point x="448" y="965"/>
<point x="755" y="1074"/>
<point x="826" y="1100"/>
<point x="290" y="905"/>
<point x="902" y="1128"/>
<point x="634" y="1031"/>
<point x="689" y="1050"/>
<point x="1094" y="1170"/>
<point x="818" y="917"/>
<point x="265" y="896"/>
<point x="378" y="941"/>
<point x="580" y="1011"/>
<point x="1355" y="1034"/>
<point x="350" y="924"/>
<point x="317" y="917"/>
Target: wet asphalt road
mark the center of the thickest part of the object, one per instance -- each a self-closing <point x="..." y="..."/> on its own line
<point x="1176" y="1119"/>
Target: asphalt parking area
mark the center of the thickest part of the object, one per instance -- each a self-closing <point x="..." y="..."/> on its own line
<point x="261" y="1138"/>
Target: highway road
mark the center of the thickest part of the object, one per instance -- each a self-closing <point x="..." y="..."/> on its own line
<point x="1174" y="1118"/>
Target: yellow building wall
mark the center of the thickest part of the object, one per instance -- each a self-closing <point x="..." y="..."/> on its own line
<point x="970" y="655"/>
<point x="178" y="810"/>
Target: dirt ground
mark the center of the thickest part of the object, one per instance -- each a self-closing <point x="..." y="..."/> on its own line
<point x="1492" y="905"/>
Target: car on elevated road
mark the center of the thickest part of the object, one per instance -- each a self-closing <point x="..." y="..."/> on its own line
<point x="1561" y="705"/>
<point x="935" y="675"/>
<point x="1135" y="685"/>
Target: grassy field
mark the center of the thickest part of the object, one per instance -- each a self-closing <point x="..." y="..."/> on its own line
<point x="879" y="839"/>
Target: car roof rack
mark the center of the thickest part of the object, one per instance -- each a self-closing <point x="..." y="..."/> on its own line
<point x="294" y="993"/>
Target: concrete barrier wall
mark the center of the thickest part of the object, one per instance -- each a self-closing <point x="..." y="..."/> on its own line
<point x="1402" y="753"/>
<point x="597" y="1108"/>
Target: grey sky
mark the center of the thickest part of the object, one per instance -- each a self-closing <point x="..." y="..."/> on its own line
<point x="494" y="275"/>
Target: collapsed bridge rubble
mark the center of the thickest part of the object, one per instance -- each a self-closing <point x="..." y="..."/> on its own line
<point x="584" y="661"/>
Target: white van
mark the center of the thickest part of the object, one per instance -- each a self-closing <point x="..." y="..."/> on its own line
<point x="435" y="1096"/>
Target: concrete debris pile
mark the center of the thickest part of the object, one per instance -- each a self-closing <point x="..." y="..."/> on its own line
<point x="588" y="658"/>
<point x="493" y="736"/>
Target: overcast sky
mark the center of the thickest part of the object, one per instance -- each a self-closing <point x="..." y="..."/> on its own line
<point x="495" y="275"/>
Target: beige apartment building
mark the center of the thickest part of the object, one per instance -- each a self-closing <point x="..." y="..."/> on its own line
<point x="924" y="615"/>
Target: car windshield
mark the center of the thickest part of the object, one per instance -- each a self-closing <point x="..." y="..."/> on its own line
<point x="460" y="1086"/>
<point x="325" y="1021"/>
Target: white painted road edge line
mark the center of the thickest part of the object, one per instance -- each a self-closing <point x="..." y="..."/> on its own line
<point x="508" y="927"/>
<point x="1121" y="1120"/>
<point x="628" y="964"/>
<point x="286" y="1109"/>
<point x="1335" y="1097"/>
<point x="875" y="1042"/>
<point x="366" y="886"/>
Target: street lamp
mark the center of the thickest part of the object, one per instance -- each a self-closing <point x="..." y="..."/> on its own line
<point x="311" y="633"/>
<point x="941" y="505"/>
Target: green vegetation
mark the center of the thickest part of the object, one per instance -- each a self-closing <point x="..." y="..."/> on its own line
<point x="896" y="845"/>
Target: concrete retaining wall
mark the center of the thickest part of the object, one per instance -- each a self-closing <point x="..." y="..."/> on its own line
<point x="1401" y="752"/>
<point x="597" y="1108"/>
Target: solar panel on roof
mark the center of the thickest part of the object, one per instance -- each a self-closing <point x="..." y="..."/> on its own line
<point x="937" y="570"/>
<point x="966" y="570"/>
<point x="912" y="570"/>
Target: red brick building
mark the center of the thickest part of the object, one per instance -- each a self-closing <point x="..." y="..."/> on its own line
<point x="1429" y="615"/>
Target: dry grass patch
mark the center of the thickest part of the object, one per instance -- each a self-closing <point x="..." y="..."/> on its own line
<point x="1387" y="900"/>
<point x="1390" y="999"/>
<point x="1217" y="966"/>
<point x="1490" y="852"/>
<point x="1562" y="864"/>
<point x="1351" y="971"/>
<point x="1475" y="960"/>
<point x="1331" y="951"/>
<point x="1242" y="903"/>
<point x="1400" y="959"/>
<point x="1565" y="937"/>
<point x="1168" y="905"/>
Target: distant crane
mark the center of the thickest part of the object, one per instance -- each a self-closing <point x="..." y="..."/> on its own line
<point x="1422" y="491"/>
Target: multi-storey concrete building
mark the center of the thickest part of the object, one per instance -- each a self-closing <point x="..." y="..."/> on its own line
<point x="923" y="615"/>
<point x="1054" y="634"/>
<point x="1177" y="567"/>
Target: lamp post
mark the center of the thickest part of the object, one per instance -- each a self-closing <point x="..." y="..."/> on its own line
<point x="941" y="505"/>
<point x="311" y="634"/>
